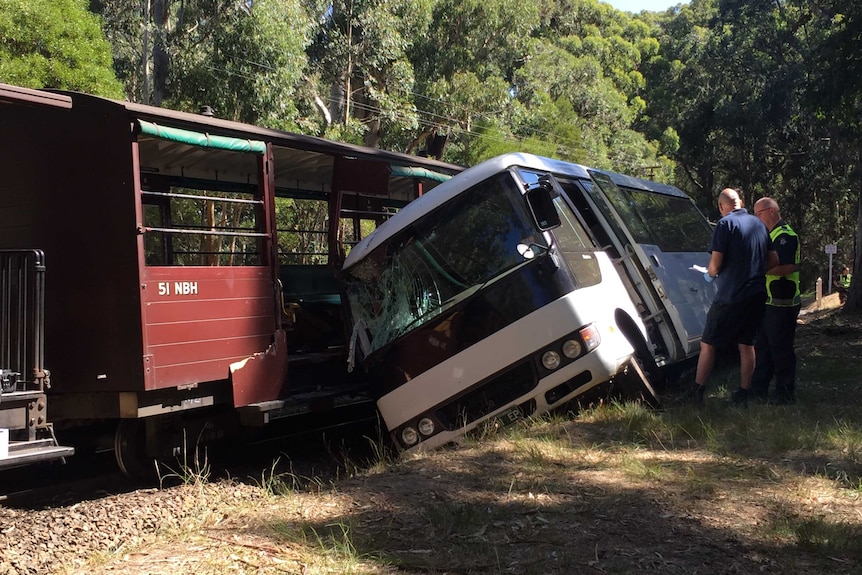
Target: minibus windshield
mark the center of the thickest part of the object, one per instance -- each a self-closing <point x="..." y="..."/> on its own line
<point x="441" y="259"/>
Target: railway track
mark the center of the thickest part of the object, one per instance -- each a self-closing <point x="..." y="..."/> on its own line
<point x="94" y="474"/>
<point x="53" y="515"/>
<point x="55" y="483"/>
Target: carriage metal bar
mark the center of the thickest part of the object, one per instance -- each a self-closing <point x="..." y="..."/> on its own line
<point x="367" y="213"/>
<point x="204" y="232"/>
<point x="197" y="197"/>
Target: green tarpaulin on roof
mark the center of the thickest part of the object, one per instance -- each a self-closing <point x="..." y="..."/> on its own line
<point x="201" y="139"/>
<point x="416" y="172"/>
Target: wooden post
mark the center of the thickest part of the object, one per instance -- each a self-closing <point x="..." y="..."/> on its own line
<point x="818" y="291"/>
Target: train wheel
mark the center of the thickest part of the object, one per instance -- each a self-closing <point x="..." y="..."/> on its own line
<point x="130" y="450"/>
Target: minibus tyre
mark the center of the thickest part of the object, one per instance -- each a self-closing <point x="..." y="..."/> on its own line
<point x="654" y="373"/>
<point x="638" y="385"/>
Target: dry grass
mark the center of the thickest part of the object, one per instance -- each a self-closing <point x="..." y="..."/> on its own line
<point x="617" y="489"/>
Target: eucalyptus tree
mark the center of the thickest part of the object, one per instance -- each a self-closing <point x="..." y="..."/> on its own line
<point x="558" y="76"/>
<point x="734" y="80"/>
<point x="359" y="61"/>
<point x="837" y="97"/>
<point x="246" y="59"/>
<point x="590" y="58"/>
<point x="464" y="66"/>
<point x="55" y="44"/>
<point x="125" y="27"/>
<point x="678" y="94"/>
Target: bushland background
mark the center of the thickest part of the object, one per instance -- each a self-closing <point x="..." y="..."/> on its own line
<point x="761" y="95"/>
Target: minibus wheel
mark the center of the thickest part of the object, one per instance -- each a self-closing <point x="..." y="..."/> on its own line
<point x="636" y="384"/>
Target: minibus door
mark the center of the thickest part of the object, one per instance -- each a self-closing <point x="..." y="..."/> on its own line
<point x="679" y="296"/>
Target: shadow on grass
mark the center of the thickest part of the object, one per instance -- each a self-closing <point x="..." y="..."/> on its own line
<point x="622" y="489"/>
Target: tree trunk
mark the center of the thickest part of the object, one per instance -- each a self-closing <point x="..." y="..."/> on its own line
<point x="160" y="56"/>
<point x="854" y="296"/>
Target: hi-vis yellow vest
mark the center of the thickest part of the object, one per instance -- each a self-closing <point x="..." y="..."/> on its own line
<point x="783" y="291"/>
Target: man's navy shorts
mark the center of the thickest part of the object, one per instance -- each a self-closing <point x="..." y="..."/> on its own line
<point x="734" y="323"/>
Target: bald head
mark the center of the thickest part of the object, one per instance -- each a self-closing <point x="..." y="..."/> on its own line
<point x="767" y="210"/>
<point x="765" y="204"/>
<point x="728" y="200"/>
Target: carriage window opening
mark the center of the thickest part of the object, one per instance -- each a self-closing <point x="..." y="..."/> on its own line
<point x="354" y="229"/>
<point x="202" y="227"/>
<point x="155" y="246"/>
<point x="302" y="231"/>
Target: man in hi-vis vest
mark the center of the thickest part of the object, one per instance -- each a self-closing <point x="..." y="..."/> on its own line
<point x="774" y="351"/>
<point x="842" y="282"/>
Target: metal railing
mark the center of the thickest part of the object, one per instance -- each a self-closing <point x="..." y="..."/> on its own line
<point x="22" y="321"/>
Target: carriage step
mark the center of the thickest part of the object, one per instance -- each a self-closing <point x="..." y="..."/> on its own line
<point x="20" y="396"/>
<point x="26" y="452"/>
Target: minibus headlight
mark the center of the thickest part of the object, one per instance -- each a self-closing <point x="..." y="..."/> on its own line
<point x="572" y="348"/>
<point x="551" y="360"/>
<point x="426" y="426"/>
<point x="409" y="436"/>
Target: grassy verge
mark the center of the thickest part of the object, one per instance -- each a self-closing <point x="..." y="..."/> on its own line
<point x="614" y="489"/>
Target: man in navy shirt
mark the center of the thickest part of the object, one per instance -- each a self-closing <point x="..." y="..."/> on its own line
<point x="741" y="251"/>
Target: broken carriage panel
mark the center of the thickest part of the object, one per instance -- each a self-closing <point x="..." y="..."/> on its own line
<point x="319" y="226"/>
<point x="107" y="332"/>
<point x="208" y="300"/>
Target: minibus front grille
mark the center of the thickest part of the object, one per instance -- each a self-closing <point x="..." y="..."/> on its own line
<point x="488" y="396"/>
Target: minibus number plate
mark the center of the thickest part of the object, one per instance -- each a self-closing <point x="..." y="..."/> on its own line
<point x="510" y="416"/>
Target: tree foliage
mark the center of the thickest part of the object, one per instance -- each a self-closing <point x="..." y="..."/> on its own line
<point x="240" y="58"/>
<point x="742" y="84"/>
<point x="245" y="59"/>
<point x="565" y="74"/>
<point x="761" y="95"/>
<point x="56" y="44"/>
<point x="359" y="56"/>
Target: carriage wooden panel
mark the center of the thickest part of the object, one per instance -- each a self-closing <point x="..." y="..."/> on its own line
<point x="199" y="320"/>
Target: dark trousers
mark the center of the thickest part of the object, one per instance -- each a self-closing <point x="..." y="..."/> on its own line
<point x="775" y="355"/>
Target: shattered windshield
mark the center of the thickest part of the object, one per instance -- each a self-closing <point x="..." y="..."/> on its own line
<point x="440" y="260"/>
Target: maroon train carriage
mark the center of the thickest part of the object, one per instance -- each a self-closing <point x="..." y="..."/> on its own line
<point x="190" y="270"/>
<point x="25" y="433"/>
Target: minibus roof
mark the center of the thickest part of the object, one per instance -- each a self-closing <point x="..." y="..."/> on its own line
<point x="478" y="173"/>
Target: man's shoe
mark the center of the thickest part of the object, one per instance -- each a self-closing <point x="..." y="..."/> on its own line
<point x="694" y="394"/>
<point x="739" y="397"/>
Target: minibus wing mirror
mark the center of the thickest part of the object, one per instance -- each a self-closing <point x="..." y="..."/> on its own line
<point x="540" y="198"/>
